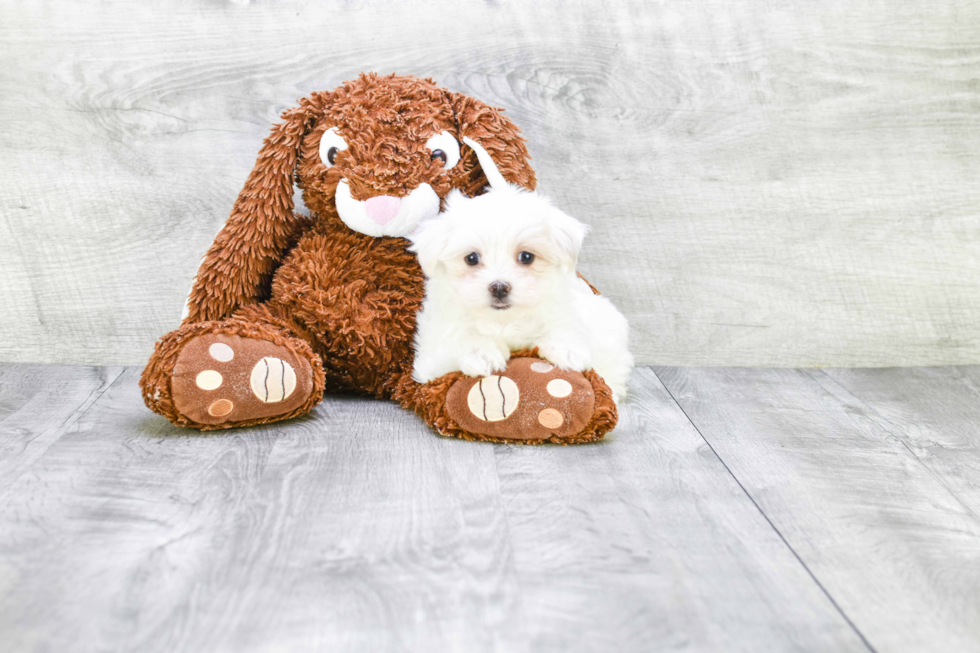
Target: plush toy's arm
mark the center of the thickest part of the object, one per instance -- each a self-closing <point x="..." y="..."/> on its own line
<point x="238" y="267"/>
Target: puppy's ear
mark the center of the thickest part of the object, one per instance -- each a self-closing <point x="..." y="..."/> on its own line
<point x="566" y="236"/>
<point x="429" y="242"/>
<point x="498" y="135"/>
<point x="238" y="267"/>
<point x="455" y="199"/>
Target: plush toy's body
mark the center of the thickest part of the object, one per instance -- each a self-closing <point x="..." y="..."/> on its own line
<point x="285" y="307"/>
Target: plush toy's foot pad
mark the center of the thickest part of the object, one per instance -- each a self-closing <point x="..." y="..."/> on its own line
<point x="220" y="378"/>
<point x="530" y="400"/>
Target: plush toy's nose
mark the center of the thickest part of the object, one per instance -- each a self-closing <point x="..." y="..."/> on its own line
<point x="383" y="208"/>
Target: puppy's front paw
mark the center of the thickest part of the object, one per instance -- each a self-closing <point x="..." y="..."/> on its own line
<point x="483" y="362"/>
<point x="567" y="355"/>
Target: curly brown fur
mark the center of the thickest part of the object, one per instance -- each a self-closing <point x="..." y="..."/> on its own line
<point x="429" y="403"/>
<point x="343" y="300"/>
<point x="383" y="116"/>
<point x="251" y="322"/>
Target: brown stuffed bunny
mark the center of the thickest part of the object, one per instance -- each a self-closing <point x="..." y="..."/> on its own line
<point x="285" y="307"/>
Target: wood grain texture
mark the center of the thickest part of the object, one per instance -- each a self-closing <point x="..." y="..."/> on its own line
<point x="366" y="533"/>
<point x="645" y="542"/>
<point x="788" y="183"/>
<point x="38" y="404"/>
<point x="892" y="543"/>
<point x="113" y="534"/>
<point x="932" y="411"/>
<point x="356" y="529"/>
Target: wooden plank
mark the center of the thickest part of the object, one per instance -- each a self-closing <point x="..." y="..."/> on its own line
<point x="357" y="529"/>
<point x="38" y="403"/>
<point x="890" y="543"/>
<point x="362" y="531"/>
<point x="108" y="540"/>
<point x="645" y="542"/>
<point x="19" y="383"/>
<point x="933" y="411"/>
<point x="788" y="183"/>
<point x="366" y="533"/>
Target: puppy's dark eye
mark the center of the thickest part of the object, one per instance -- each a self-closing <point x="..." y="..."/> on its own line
<point x="439" y="154"/>
<point x="525" y="258"/>
<point x="472" y="259"/>
<point x="331" y="155"/>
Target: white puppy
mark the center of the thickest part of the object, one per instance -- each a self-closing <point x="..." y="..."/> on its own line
<point x="500" y="276"/>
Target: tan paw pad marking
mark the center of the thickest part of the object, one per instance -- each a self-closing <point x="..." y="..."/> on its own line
<point x="494" y="398"/>
<point x="550" y="418"/>
<point x="272" y="380"/>
<point x="221" y="352"/>
<point x="220" y="408"/>
<point x="541" y="366"/>
<point x="559" y="388"/>
<point x="208" y="380"/>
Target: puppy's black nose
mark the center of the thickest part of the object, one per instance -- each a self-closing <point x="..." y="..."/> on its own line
<point x="499" y="289"/>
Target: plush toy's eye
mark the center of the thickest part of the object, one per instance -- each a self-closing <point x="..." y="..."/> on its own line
<point x="445" y="148"/>
<point x="472" y="259"/>
<point x="525" y="258"/>
<point x="331" y="143"/>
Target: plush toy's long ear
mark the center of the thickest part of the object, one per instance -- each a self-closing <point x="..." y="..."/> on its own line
<point x="238" y="267"/>
<point x="502" y="139"/>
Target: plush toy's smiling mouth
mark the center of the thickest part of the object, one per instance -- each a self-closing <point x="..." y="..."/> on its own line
<point x="385" y="215"/>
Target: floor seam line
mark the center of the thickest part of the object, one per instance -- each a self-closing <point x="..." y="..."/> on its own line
<point x="62" y="429"/>
<point x="74" y="418"/>
<point x="891" y="428"/>
<point x="101" y="367"/>
<point x="779" y="534"/>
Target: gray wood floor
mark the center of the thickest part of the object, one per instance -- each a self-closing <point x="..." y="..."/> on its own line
<point x="733" y="510"/>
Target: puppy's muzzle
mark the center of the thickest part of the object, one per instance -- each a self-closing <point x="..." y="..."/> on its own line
<point x="499" y="291"/>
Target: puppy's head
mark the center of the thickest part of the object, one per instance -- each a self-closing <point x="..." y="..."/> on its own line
<point x="502" y="250"/>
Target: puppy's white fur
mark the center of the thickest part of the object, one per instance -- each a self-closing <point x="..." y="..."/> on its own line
<point x="462" y="326"/>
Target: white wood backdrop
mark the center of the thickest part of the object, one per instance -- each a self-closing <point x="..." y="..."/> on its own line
<point x="770" y="182"/>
